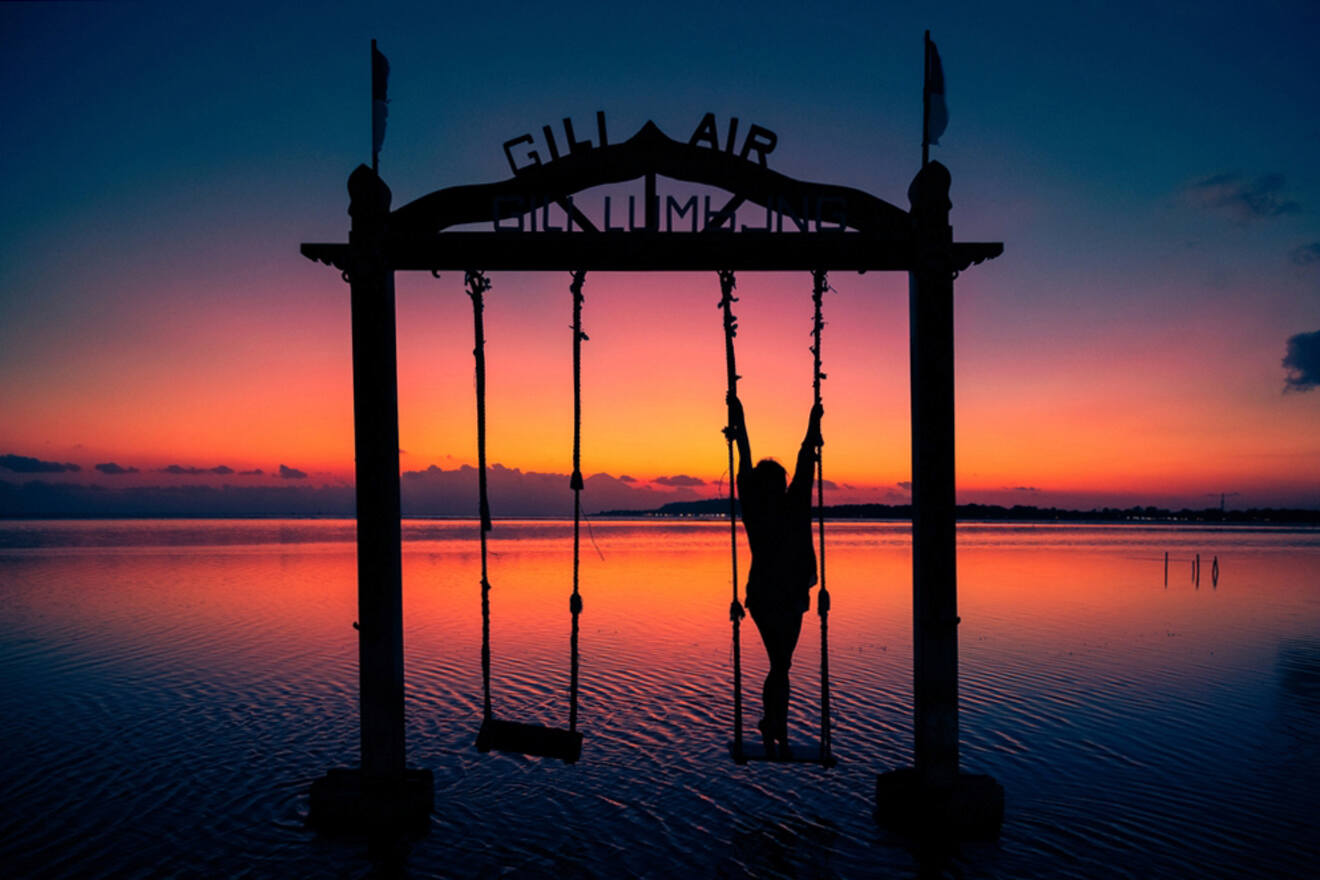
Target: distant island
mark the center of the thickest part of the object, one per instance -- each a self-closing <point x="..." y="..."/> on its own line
<point x="719" y="507"/>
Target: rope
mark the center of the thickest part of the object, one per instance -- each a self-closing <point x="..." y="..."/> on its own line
<point x="820" y="285"/>
<point x="575" y="483"/>
<point x="736" y="611"/>
<point x="477" y="285"/>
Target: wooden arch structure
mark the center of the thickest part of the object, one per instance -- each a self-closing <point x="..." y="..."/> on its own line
<point x="830" y="227"/>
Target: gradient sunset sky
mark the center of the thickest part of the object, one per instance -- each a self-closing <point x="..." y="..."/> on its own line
<point x="1151" y="169"/>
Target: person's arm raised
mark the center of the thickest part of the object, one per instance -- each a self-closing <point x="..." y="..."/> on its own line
<point x="738" y="427"/>
<point x="806" y="461"/>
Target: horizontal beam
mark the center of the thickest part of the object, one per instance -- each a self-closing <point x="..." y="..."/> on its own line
<point x="651" y="252"/>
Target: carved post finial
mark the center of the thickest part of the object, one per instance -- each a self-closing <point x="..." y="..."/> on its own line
<point x="369" y="197"/>
<point x="928" y="195"/>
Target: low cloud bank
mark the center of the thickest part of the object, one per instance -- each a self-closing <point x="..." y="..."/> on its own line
<point x="430" y="492"/>
<point x="179" y="470"/>
<point x="39" y="498"/>
<point x="26" y="464"/>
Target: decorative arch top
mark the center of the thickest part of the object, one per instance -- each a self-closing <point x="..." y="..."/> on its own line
<point x="648" y="153"/>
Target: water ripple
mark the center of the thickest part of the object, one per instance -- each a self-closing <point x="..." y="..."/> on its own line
<point x="169" y="690"/>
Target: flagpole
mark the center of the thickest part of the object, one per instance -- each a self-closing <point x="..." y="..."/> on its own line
<point x="375" y="156"/>
<point x="925" y="103"/>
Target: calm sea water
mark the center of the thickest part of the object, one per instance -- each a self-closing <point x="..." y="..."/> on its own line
<point x="169" y="689"/>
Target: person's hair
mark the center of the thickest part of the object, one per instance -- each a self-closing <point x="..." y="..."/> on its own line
<point x="770" y="474"/>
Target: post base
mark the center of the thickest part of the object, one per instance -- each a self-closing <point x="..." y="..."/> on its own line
<point x="973" y="809"/>
<point x="344" y="801"/>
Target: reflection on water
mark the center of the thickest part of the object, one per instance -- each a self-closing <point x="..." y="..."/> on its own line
<point x="168" y="689"/>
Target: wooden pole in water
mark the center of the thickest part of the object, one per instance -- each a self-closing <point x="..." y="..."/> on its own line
<point x="934" y="545"/>
<point x="1166" y="568"/>
<point x="934" y="795"/>
<point x="382" y="793"/>
<point x="376" y="443"/>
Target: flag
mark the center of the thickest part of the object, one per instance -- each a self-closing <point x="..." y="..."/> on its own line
<point x="380" y="75"/>
<point x="937" y="112"/>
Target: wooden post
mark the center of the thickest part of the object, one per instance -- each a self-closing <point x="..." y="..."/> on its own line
<point x="934" y="547"/>
<point x="376" y="443"/>
<point x="382" y="793"/>
<point x="933" y="796"/>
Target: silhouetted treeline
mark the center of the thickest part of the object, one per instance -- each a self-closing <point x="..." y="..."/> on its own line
<point x="716" y="507"/>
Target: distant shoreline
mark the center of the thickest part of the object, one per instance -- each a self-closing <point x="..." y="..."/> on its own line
<point x="718" y="509"/>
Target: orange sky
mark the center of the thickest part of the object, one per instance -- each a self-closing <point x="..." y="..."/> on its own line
<point x="275" y="387"/>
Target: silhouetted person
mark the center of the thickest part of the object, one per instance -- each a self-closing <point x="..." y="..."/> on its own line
<point x="777" y="517"/>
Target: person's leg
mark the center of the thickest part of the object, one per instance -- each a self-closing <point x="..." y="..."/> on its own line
<point x="764" y="625"/>
<point x="786" y="631"/>
<point x="779" y="629"/>
<point x="767" y="724"/>
<point x="777" y="699"/>
<point x="782" y="633"/>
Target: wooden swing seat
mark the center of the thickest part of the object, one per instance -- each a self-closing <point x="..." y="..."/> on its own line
<point x="802" y="751"/>
<point x="519" y="738"/>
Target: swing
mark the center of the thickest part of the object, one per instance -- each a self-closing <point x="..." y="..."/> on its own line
<point x="498" y="734"/>
<point x="802" y="751"/>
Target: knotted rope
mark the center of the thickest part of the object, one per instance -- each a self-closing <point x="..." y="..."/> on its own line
<point x="576" y="484"/>
<point x="477" y="285"/>
<point x="736" y="611"/>
<point x="819" y="286"/>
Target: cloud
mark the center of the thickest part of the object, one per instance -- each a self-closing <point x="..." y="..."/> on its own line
<point x="1305" y="254"/>
<point x="111" y="469"/>
<point x="288" y="473"/>
<point x="1302" y="361"/>
<point x="255" y="472"/>
<point x="1021" y="489"/>
<point x="679" y="480"/>
<point x="23" y="464"/>
<point x="180" y="470"/>
<point x="1230" y="193"/>
<point x="627" y="479"/>
<point x="905" y="485"/>
<point x="829" y="485"/>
